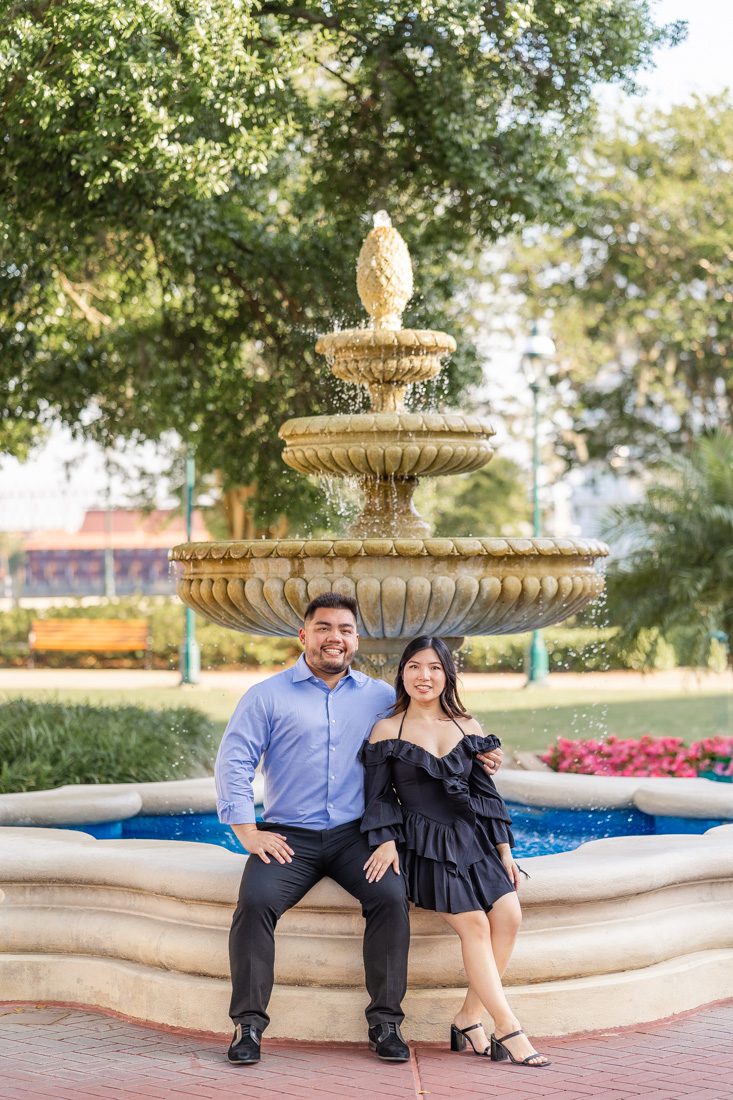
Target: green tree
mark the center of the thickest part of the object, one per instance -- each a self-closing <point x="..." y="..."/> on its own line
<point x="494" y="500"/>
<point x="677" y="573"/>
<point x="641" y="285"/>
<point x="183" y="190"/>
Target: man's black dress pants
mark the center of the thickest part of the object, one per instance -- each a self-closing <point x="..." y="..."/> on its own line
<point x="269" y="889"/>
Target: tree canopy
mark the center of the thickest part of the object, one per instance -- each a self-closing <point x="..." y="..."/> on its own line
<point x="641" y="285"/>
<point x="495" y="498"/>
<point x="678" y="571"/>
<point x="183" y="190"/>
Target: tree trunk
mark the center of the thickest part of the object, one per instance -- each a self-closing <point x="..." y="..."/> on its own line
<point x="238" y="508"/>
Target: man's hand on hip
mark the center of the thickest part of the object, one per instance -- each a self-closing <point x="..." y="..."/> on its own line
<point x="491" y="761"/>
<point x="262" y="843"/>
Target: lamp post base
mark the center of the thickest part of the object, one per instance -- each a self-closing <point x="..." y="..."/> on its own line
<point x="190" y="654"/>
<point x="190" y="664"/>
<point x="539" y="664"/>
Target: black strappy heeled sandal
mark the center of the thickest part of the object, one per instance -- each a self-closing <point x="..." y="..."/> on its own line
<point x="500" y="1053"/>
<point x="459" y="1037"/>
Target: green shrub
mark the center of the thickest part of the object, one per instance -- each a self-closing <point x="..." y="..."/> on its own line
<point x="219" y="645"/>
<point x="587" y="649"/>
<point x="576" y="648"/>
<point x="571" y="649"/>
<point x="49" y="744"/>
<point x="651" y="650"/>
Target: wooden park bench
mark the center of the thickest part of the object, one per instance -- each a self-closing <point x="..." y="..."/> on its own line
<point x="90" y="636"/>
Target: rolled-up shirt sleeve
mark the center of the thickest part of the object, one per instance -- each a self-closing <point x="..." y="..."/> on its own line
<point x="244" y="741"/>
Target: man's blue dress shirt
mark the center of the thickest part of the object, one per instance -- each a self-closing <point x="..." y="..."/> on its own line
<point x="309" y="738"/>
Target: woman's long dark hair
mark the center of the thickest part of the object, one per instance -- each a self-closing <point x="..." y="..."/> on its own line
<point x="449" y="699"/>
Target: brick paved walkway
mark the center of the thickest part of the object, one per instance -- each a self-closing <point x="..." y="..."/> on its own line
<point x="64" y="1053"/>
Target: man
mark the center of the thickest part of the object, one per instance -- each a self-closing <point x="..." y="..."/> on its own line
<point x="308" y="724"/>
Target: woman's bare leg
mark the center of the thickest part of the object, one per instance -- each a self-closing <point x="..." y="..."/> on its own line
<point x="505" y="918"/>
<point x="484" y="979"/>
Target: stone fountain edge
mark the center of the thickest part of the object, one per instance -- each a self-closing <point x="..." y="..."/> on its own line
<point x="618" y="932"/>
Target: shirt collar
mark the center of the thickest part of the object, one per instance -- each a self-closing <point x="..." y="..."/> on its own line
<point x="302" y="672"/>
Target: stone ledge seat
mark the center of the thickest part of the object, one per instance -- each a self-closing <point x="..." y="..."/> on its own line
<point x="70" y="805"/>
<point x="694" y="798"/>
<point x="95" y="803"/>
<point x="617" y="932"/>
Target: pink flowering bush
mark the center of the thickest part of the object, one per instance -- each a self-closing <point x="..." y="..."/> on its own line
<point x="646" y="756"/>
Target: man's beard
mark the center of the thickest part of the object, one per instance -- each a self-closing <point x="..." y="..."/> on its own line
<point x="333" y="661"/>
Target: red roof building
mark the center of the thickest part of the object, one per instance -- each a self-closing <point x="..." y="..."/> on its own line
<point x="116" y="552"/>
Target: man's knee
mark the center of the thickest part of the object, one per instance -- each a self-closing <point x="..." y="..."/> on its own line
<point x="260" y="898"/>
<point x="387" y="897"/>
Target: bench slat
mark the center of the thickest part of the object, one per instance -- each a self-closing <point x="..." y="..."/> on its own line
<point x="103" y="635"/>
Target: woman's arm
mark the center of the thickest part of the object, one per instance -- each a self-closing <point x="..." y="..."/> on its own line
<point x="488" y="804"/>
<point x="512" y="868"/>
<point x="382" y="820"/>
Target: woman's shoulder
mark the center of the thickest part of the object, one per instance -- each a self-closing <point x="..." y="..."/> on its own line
<point x="469" y="724"/>
<point x="384" y="729"/>
<point x="476" y="736"/>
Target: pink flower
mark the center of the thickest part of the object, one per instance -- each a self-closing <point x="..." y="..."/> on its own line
<point x="646" y="756"/>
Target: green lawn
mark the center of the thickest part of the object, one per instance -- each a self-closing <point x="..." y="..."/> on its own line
<point x="528" y="720"/>
<point x="524" y="721"/>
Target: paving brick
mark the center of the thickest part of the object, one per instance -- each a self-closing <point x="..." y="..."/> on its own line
<point x="96" y="1056"/>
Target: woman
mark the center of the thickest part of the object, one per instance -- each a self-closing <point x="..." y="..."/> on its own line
<point x="433" y="815"/>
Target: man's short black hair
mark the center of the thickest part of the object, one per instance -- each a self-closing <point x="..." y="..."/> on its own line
<point x="330" y="599"/>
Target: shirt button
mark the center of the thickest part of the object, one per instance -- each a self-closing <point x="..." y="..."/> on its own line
<point x="333" y="749"/>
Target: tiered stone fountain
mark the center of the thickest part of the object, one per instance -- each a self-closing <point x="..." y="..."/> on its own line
<point x="405" y="582"/>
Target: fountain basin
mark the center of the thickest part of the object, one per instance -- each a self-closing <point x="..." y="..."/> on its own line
<point x="404" y="587"/>
<point x="387" y="444"/>
<point x="380" y="356"/>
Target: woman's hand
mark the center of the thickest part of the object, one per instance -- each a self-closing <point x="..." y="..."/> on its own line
<point x="491" y="761"/>
<point x="261" y="842"/>
<point x="512" y="869"/>
<point x="381" y="858"/>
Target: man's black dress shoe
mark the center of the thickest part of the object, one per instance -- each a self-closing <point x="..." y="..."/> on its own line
<point x="387" y="1040"/>
<point x="245" y="1046"/>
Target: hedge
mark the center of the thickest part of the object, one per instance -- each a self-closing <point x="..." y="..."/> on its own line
<point x="571" y="648"/>
<point x="220" y="647"/>
<point x="46" y="745"/>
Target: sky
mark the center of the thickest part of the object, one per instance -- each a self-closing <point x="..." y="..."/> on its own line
<point x="65" y="478"/>
<point x="702" y="63"/>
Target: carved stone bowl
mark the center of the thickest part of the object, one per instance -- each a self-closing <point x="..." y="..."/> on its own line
<point x="404" y="587"/>
<point x="387" y="444"/>
<point x="404" y="356"/>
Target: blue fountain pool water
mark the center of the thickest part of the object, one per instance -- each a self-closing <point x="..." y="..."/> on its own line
<point x="542" y="830"/>
<point x="538" y="830"/>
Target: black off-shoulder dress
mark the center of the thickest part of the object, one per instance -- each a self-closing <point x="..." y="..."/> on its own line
<point x="446" y="817"/>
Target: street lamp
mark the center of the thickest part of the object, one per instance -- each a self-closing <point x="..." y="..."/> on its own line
<point x="538" y="351"/>
<point x="190" y="652"/>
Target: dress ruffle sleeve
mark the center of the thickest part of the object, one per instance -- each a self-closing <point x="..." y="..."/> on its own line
<point x="485" y="800"/>
<point x="382" y="818"/>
